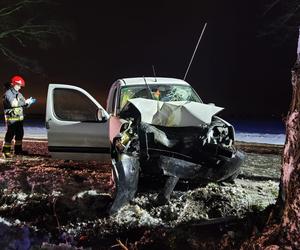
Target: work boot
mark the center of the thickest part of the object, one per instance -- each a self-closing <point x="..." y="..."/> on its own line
<point x="6" y="150"/>
<point x="20" y="151"/>
<point x="7" y="155"/>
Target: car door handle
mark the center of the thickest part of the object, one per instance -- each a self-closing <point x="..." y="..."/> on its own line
<point x="47" y="124"/>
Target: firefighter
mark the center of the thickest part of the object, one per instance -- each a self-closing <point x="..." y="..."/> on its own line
<point x="14" y="103"/>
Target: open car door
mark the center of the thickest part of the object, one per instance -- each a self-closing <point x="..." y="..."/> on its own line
<point x="77" y="125"/>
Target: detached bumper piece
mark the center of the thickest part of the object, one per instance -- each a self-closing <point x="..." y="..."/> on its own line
<point x="164" y="196"/>
<point x="176" y="168"/>
<point x="223" y="169"/>
<point x="126" y="172"/>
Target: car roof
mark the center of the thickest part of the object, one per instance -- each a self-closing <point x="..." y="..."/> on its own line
<point x="151" y="80"/>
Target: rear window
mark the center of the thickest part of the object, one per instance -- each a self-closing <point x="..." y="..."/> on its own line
<point x="72" y="105"/>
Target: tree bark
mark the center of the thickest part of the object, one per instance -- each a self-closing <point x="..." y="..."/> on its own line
<point x="284" y="233"/>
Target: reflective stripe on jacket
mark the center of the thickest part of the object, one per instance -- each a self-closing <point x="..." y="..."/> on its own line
<point x="13" y="113"/>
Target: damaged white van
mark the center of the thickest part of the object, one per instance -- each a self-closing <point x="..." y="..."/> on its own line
<point x="152" y="126"/>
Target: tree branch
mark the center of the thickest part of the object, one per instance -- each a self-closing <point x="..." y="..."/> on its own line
<point x="20" y="24"/>
<point x="34" y="30"/>
<point x="270" y="7"/>
<point x="19" y="40"/>
<point x="280" y="19"/>
<point x="19" y="5"/>
<point x="22" y="62"/>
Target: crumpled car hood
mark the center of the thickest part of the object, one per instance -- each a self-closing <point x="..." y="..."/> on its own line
<point x="175" y="114"/>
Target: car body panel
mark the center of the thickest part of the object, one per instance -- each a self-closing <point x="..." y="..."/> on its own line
<point x="176" y="113"/>
<point x="71" y="139"/>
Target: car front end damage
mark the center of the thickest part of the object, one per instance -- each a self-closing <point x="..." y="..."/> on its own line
<point x="149" y="144"/>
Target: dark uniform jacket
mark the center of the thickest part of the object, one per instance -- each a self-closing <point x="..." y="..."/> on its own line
<point x="13" y="114"/>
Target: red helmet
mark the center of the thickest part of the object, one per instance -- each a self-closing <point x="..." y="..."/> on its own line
<point x="17" y="80"/>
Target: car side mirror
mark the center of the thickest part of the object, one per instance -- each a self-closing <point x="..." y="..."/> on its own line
<point x="101" y="115"/>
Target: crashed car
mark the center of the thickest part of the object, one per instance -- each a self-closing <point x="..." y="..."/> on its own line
<point x="151" y="127"/>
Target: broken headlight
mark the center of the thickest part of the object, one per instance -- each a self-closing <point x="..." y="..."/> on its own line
<point x="220" y="134"/>
<point x="127" y="140"/>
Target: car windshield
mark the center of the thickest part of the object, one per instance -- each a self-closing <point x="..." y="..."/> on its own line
<point x="165" y="93"/>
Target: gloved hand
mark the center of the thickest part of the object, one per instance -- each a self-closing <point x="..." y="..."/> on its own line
<point x="30" y="101"/>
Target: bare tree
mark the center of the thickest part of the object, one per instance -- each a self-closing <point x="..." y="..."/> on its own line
<point x="279" y="19"/>
<point x="24" y="25"/>
<point x="283" y="227"/>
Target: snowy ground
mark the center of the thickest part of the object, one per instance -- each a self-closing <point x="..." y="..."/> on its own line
<point x="36" y="131"/>
<point x="54" y="201"/>
<point x="261" y="138"/>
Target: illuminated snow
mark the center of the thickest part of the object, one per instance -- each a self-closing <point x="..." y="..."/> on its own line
<point x="40" y="132"/>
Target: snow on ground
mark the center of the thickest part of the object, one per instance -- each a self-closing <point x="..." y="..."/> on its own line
<point x="37" y="131"/>
<point x="261" y="138"/>
<point x="33" y="131"/>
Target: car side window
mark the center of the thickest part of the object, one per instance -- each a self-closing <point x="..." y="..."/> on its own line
<point x="72" y="105"/>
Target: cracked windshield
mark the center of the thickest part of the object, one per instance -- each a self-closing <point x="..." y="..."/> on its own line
<point x="164" y="93"/>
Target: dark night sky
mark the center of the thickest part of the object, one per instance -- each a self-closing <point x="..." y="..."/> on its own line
<point x="233" y="68"/>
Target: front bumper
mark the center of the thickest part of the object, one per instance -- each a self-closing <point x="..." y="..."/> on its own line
<point x="126" y="172"/>
<point x="223" y="168"/>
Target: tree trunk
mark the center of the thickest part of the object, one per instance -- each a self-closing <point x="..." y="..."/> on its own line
<point x="285" y="232"/>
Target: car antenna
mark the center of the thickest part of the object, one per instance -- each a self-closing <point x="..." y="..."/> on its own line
<point x="187" y="70"/>
<point x="148" y="87"/>
<point x="154" y="73"/>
